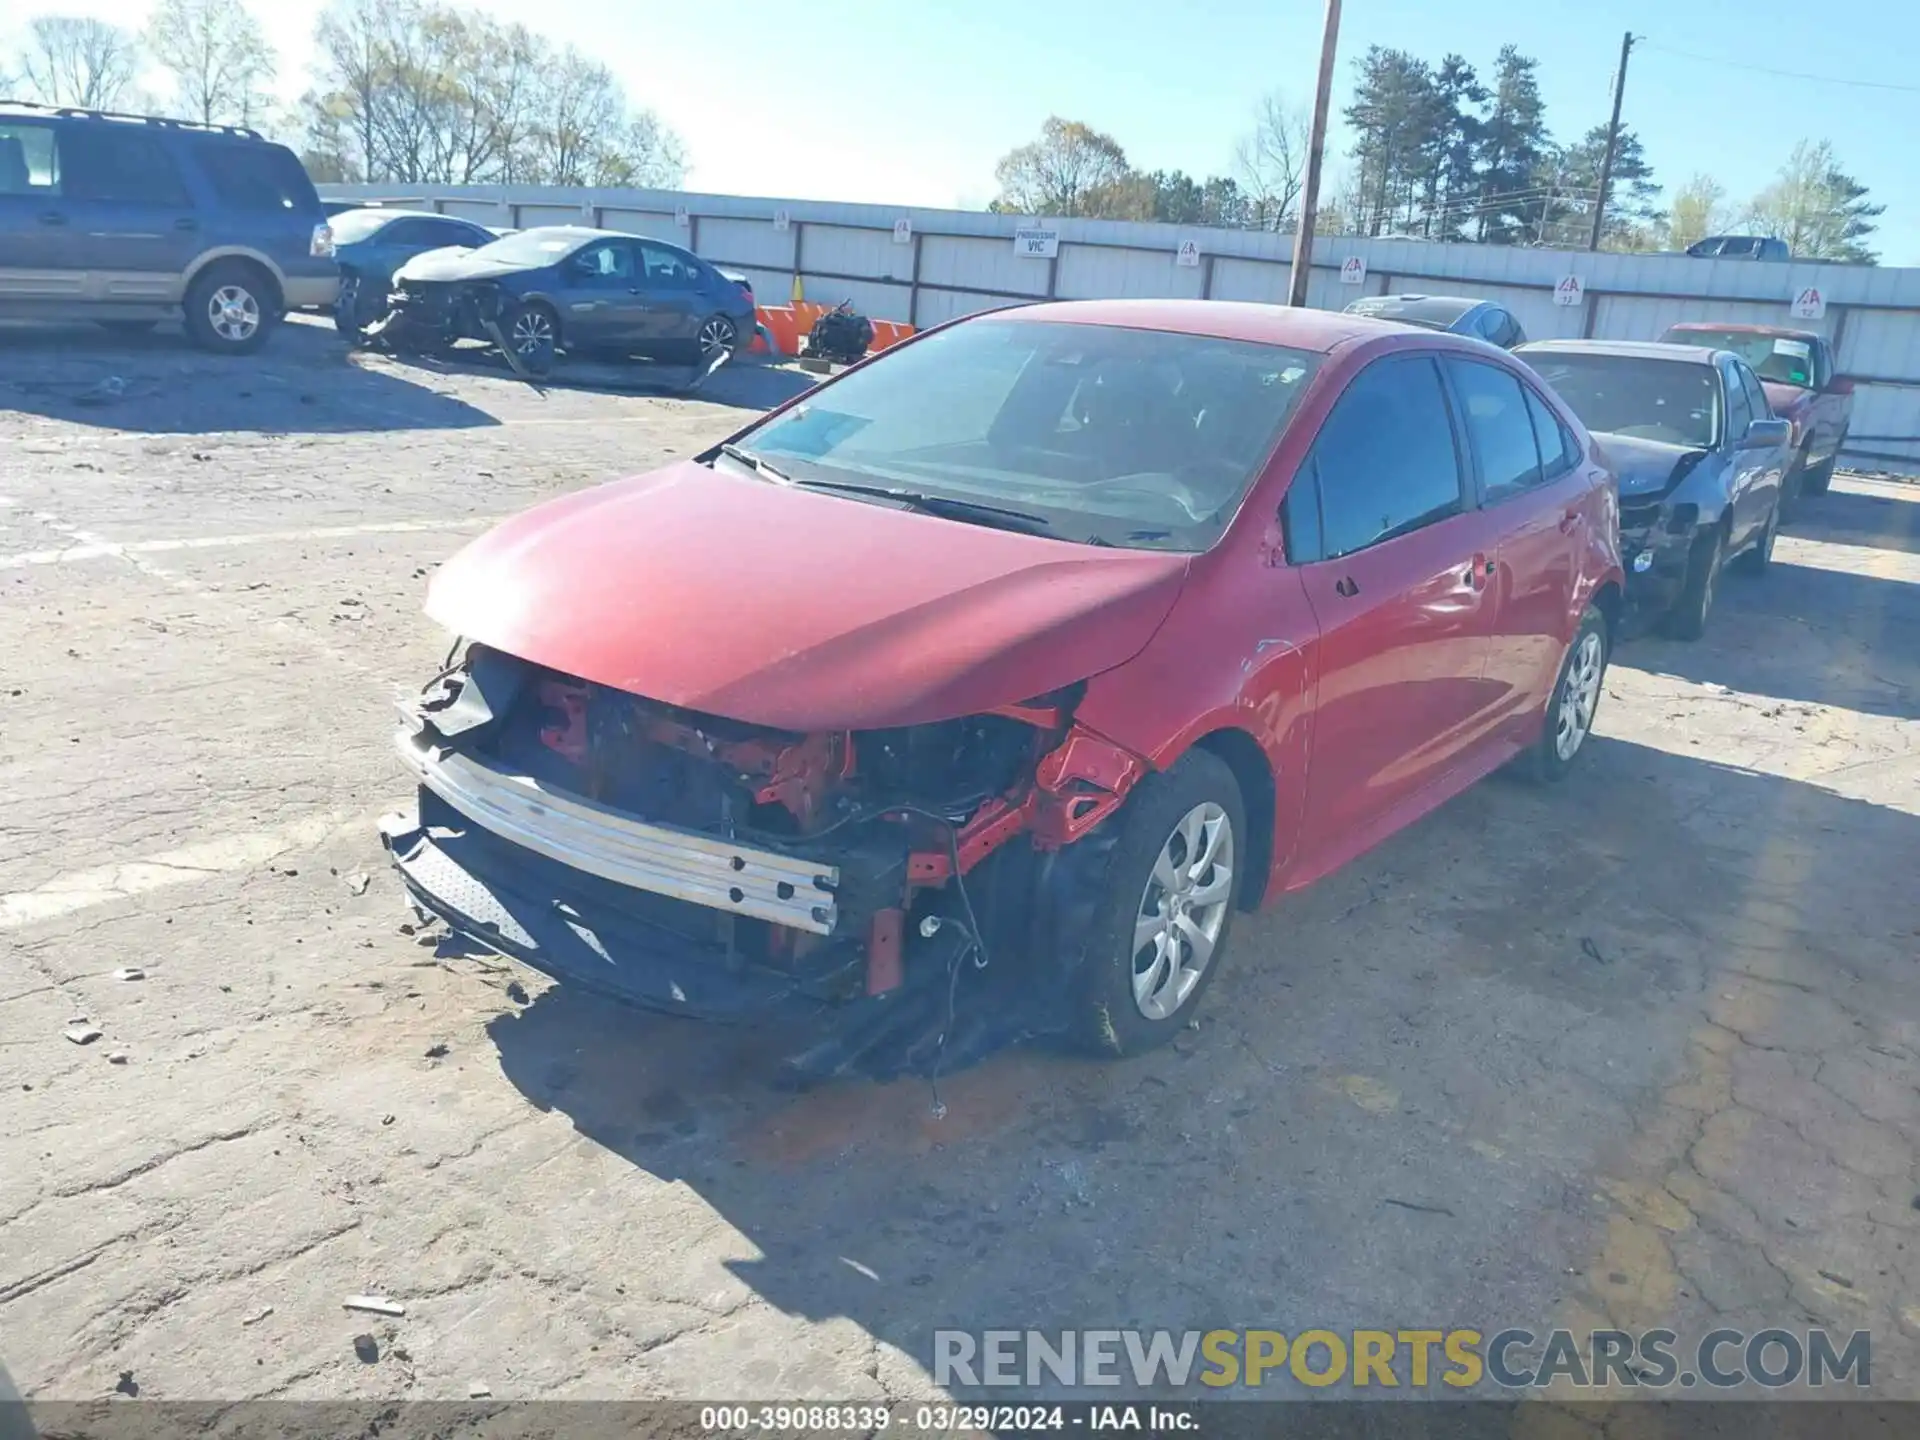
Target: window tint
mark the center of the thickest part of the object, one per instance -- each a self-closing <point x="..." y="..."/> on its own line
<point x="1559" y="451"/>
<point x="1498" y="426"/>
<point x="132" y="167"/>
<point x="1385" y="457"/>
<point x="1300" y="516"/>
<point x="1739" y="411"/>
<point x="29" y="163"/>
<point x="666" y="268"/>
<point x="258" y="179"/>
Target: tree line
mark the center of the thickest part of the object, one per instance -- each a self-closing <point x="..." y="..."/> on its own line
<point x="406" y="91"/>
<point x="1437" y="152"/>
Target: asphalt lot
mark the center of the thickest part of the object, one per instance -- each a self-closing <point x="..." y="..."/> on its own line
<point x="1642" y="1049"/>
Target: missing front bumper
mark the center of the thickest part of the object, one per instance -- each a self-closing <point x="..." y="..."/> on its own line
<point x="718" y="874"/>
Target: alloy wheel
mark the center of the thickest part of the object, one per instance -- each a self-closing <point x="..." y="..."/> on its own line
<point x="1579" y="696"/>
<point x="1183" y="910"/>
<point x="717" y="337"/>
<point x="233" y="313"/>
<point x="532" y="332"/>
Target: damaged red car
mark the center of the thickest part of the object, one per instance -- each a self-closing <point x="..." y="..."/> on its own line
<point x="969" y="695"/>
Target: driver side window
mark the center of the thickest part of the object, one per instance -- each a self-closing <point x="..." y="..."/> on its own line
<point x="608" y="263"/>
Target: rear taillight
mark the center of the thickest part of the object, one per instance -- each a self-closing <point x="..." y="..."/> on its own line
<point x="322" y="244"/>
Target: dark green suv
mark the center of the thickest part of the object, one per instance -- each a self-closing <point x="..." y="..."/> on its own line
<point x="130" y="220"/>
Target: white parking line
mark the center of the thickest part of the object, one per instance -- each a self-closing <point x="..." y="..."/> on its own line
<point x="88" y="546"/>
<point x="82" y="889"/>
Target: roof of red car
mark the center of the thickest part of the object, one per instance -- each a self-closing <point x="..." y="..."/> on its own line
<point x="1731" y="329"/>
<point x="1318" y="330"/>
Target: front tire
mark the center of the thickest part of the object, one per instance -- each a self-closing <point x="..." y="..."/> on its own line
<point x="533" y="330"/>
<point x="231" y="308"/>
<point x="1166" y="907"/>
<point x="347" y="309"/>
<point x="1574" y="702"/>
<point x="1688" y="619"/>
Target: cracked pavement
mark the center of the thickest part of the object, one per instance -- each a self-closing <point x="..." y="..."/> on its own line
<point x="1638" y="1050"/>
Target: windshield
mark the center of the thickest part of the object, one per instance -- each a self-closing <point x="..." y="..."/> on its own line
<point x="355" y="225"/>
<point x="1779" y="358"/>
<point x="1676" y="402"/>
<point x="533" y="247"/>
<point x="1104" y="435"/>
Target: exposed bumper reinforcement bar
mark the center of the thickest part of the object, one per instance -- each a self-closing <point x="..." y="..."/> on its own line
<point x="661" y="859"/>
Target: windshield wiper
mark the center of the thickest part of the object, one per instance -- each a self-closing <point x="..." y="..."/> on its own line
<point x="754" y="463"/>
<point x="946" y="506"/>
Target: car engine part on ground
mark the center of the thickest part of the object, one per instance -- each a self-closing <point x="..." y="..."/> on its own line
<point x="841" y="335"/>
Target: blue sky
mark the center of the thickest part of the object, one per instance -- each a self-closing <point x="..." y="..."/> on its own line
<point x="912" y="101"/>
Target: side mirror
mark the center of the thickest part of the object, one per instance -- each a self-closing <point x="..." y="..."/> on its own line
<point x="1765" y="434"/>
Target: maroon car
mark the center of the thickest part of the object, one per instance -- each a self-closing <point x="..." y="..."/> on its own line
<point x="1796" y="370"/>
<point x="1048" y="639"/>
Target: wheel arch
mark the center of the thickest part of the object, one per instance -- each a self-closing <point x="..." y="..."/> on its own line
<point x="1259" y="797"/>
<point x="245" y="255"/>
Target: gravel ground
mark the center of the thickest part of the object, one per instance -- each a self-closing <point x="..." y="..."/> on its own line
<point x="1637" y="1050"/>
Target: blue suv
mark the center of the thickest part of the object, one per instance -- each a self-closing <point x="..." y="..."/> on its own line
<point x="130" y="220"/>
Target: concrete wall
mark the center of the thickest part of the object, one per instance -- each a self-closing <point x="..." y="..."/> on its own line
<point x="957" y="262"/>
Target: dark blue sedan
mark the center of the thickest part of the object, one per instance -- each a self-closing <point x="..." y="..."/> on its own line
<point x="372" y="244"/>
<point x="1455" y="314"/>
<point x="568" y="288"/>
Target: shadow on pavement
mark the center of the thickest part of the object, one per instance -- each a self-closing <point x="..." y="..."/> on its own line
<point x="300" y="382"/>
<point x="1408" y="1070"/>
<point x="746" y="385"/>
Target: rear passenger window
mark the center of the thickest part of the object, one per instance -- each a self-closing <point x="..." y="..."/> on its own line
<point x="1385" y="460"/>
<point x="1559" y="451"/>
<point x="1499" y="428"/>
<point x="122" y="165"/>
<point x="29" y="163"/>
<point x="258" y="179"/>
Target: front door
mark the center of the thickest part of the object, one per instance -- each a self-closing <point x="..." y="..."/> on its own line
<point x="37" y="261"/>
<point x="1395" y="564"/>
<point x="601" y="298"/>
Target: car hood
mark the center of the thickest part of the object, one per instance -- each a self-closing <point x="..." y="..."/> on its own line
<point x="453" y="262"/>
<point x="796" y="609"/>
<point x="1646" y="467"/>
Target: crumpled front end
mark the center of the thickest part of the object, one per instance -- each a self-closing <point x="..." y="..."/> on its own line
<point x="439" y="312"/>
<point x="697" y="865"/>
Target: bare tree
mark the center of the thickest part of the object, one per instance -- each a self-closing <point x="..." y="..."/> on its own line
<point x="74" y="61"/>
<point x="1068" y="167"/>
<point x="218" y="56"/>
<point x="1271" y="162"/>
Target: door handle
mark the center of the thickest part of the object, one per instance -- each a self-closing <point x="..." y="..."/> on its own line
<point x="52" y="217"/>
<point x="1478" y="571"/>
<point x="1345" y="586"/>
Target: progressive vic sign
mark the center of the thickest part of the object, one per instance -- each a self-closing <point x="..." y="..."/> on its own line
<point x="1036" y="242"/>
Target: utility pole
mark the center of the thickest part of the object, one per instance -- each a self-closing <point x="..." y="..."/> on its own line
<point x="1613" y="142"/>
<point x="1298" y="275"/>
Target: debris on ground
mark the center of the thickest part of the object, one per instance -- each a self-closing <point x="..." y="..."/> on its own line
<point x="1417" y="1206"/>
<point x="1592" y="951"/>
<point x="105" y="393"/>
<point x="387" y="1119"/>
<point x="129" y="972"/>
<point x="258" y="1315"/>
<point x="117" y="1057"/>
<point x="367" y="1348"/>
<point x="127" y="1385"/>
<point x="374" y="1304"/>
<point x="516" y="992"/>
<point x="479" y="1390"/>
<point x="438" y="1050"/>
<point x="84" y="1034"/>
<point x="357" y="883"/>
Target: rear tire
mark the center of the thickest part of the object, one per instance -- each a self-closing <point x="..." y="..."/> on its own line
<point x="1688" y="618"/>
<point x="1165" y="913"/>
<point x="231" y="308"/>
<point x="1574" y="702"/>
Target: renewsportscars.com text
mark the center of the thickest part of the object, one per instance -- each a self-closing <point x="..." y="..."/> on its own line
<point x="1460" y="1359"/>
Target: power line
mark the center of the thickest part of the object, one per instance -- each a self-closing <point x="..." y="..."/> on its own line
<point x="1782" y="74"/>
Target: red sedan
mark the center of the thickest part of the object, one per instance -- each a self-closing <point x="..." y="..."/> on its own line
<point x="1006" y="667"/>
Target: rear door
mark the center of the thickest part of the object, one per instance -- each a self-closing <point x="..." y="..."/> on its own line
<point x="37" y="260"/>
<point x="1534" y="493"/>
<point x="131" y="220"/>
<point x="1394" y="560"/>
<point x="672" y="324"/>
